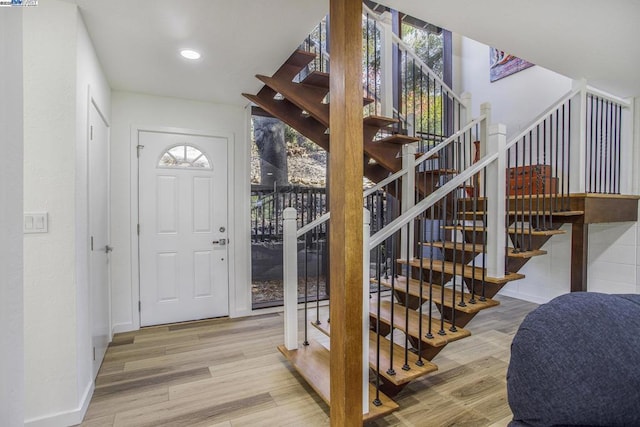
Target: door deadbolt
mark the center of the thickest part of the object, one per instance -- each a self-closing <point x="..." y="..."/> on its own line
<point x="222" y="229"/>
<point x="220" y="242"/>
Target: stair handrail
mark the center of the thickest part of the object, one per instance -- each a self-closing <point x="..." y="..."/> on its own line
<point x="403" y="45"/>
<point x="450" y="139"/>
<point x="391" y="178"/>
<point x="430" y="200"/>
<point x="540" y="118"/>
<point x="607" y="96"/>
<point x="313" y="224"/>
<point x="396" y="176"/>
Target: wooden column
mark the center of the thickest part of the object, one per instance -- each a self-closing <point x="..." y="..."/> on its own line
<point x="579" y="253"/>
<point x="345" y="181"/>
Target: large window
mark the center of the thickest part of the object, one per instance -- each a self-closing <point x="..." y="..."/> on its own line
<point x="287" y="170"/>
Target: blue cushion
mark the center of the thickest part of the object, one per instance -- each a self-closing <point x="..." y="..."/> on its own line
<point x="576" y="361"/>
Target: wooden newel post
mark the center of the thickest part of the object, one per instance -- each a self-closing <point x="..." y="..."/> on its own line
<point x="345" y="181"/>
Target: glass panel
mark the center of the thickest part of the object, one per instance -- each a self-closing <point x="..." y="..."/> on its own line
<point x="184" y="156"/>
<point x="287" y="170"/>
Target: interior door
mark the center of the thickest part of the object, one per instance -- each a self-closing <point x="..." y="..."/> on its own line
<point x="182" y="227"/>
<point x="99" y="236"/>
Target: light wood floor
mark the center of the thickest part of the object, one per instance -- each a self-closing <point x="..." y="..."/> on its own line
<point x="226" y="372"/>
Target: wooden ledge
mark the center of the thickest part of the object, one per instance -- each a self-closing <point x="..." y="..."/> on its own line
<point x="312" y="363"/>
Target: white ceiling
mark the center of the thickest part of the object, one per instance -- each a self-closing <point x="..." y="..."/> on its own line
<point x="593" y="39"/>
<point x="137" y="41"/>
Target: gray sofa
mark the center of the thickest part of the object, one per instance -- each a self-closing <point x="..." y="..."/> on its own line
<point x="575" y="361"/>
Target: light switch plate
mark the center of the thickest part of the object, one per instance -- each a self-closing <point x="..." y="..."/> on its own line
<point x="36" y="222"/>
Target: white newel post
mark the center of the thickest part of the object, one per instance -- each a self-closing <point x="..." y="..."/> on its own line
<point x="386" y="66"/>
<point x="485" y="110"/>
<point x="408" y="196"/>
<point x="290" y="264"/>
<point x="366" y="253"/>
<point x="578" y="141"/>
<point x="465" y="113"/>
<point x="495" y="202"/>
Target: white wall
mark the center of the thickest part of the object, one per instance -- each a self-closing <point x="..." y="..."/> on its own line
<point x="129" y="111"/>
<point x="515" y="100"/>
<point x="91" y="86"/>
<point x="59" y="66"/>
<point x="11" y="293"/>
<point x="614" y="249"/>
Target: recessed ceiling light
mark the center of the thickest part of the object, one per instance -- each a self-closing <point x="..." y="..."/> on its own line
<point x="190" y="54"/>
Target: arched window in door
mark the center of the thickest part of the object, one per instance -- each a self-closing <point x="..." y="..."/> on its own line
<point x="184" y="156"/>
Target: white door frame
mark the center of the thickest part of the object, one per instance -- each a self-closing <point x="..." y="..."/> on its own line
<point x="135" y="258"/>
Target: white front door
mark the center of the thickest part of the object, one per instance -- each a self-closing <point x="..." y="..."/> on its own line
<point x="183" y="227"/>
<point x="99" y="236"/>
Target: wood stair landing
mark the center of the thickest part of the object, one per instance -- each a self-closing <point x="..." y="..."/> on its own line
<point x="470" y="307"/>
<point x="312" y="363"/>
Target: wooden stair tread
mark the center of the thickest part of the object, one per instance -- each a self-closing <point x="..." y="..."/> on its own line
<point x="478" y="248"/>
<point x="438" y="172"/>
<point x="300" y="58"/>
<point x="398" y="139"/>
<point x="312" y="363"/>
<point x="401" y="376"/>
<point x="467" y="271"/>
<point x="436" y="292"/>
<point x="431" y="157"/>
<point x="511" y="230"/>
<point x="379" y="121"/>
<point x="528" y="213"/>
<point x="291" y="91"/>
<point x="317" y="79"/>
<point x="399" y="320"/>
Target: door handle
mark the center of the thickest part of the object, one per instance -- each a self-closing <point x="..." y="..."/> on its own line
<point x="220" y="242"/>
<point x="108" y="248"/>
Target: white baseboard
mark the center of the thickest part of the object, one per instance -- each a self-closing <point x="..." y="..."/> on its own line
<point x="68" y="418"/>
<point x="123" y="327"/>
<point x="525" y="297"/>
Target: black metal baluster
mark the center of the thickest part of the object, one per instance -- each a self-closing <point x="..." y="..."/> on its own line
<point x="568" y="154"/>
<point x="443" y="216"/>
<point x="377" y="401"/>
<point x="531" y="177"/>
<point x="405" y="366"/>
<point x="419" y="362"/>
<point x="429" y="334"/>
<point x="484" y="235"/>
<point x="391" y="371"/>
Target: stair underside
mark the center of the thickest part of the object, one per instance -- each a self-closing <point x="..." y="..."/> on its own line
<point x="466" y="271"/>
<point x="402" y="376"/>
<point x="435" y="291"/>
<point x="469" y="247"/>
<point x="312" y="363"/>
<point x="399" y="322"/>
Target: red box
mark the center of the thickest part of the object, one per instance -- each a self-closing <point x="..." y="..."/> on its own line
<point x="543" y="171"/>
<point x="525" y="185"/>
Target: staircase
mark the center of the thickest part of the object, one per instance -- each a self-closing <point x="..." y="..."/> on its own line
<point x="427" y="297"/>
